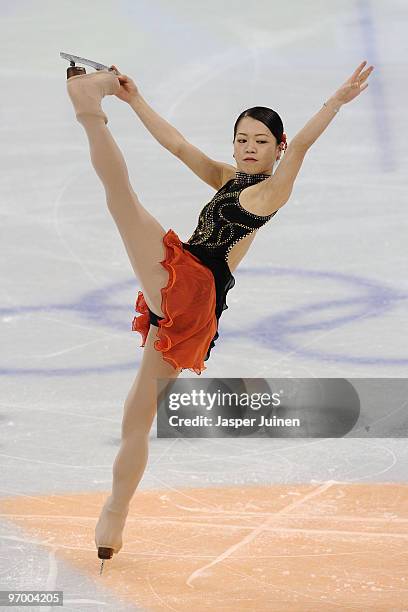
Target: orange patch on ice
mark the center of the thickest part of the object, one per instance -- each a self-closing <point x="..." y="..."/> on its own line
<point x="298" y="548"/>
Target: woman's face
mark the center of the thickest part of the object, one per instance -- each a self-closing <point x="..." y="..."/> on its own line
<point x="254" y="139"/>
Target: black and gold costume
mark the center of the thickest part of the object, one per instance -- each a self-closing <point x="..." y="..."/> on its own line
<point x="222" y="223"/>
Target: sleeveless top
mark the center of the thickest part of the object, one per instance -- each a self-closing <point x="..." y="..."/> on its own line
<point x="222" y="223"/>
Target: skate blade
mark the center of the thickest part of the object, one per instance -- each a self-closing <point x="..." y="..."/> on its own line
<point x="82" y="60"/>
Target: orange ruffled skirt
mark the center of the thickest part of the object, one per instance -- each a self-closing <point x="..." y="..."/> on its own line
<point x="188" y="330"/>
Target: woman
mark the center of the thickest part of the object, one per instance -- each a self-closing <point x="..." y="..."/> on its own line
<point x="185" y="284"/>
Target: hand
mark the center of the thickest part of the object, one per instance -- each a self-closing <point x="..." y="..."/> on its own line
<point x="353" y="86"/>
<point x="128" y="90"/>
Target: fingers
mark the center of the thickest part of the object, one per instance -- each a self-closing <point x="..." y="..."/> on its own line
<point x="363" y="77"/>
<point x="366" y="73"/>
<point x="357" y="79"/>
<point x="358" y="70"/>
<point x="116" y="69"/>
<point x="122" y="77"/>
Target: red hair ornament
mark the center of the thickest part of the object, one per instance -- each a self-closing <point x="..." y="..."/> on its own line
<point x="283" y="145"/>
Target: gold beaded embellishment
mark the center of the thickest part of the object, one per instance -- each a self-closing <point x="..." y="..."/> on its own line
<point x="223" y="221"/>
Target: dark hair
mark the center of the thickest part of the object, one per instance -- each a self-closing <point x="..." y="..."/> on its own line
<point x="268" y="116"/>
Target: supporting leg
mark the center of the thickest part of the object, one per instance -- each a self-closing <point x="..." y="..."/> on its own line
<point x="131" y="460"/>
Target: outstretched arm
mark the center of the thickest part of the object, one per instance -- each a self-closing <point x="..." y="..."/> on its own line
<point x="167" y="135"/>
<point x="278" y="188"/>
<point x="209" y="170"/>
<point x="347" y="92"/>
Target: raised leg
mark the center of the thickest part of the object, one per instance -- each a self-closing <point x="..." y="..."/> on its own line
<point x="141" y="233"/>
<point x="130" y="463"/>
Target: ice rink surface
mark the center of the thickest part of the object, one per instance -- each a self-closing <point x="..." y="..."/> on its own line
<point x="322" y="292"/>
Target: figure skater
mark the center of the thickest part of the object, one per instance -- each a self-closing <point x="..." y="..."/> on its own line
<point x="185" y="283"/>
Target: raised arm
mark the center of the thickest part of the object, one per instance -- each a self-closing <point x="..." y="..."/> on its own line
<point x="279" y="187"/>
<point x="347" y="92"/>
<point x="209" y="170"/>
<point x="166" y="134"/>
<point x="212" y="172"/>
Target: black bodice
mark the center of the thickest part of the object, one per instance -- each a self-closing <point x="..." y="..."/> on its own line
<point x="221" y="224"/>
<point x="223" y="221"/>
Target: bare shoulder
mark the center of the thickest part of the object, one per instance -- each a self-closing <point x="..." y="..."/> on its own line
<point x="211" y="171"/>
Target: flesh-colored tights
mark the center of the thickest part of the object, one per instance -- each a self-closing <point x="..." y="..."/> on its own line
<point x="142" y="237"/>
